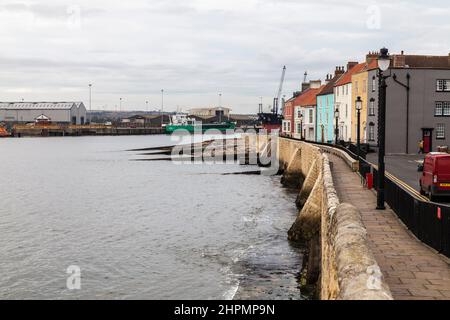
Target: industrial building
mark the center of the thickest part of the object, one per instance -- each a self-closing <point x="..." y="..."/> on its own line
<point x="56" y="112"/>
<point x="210" y="112"/>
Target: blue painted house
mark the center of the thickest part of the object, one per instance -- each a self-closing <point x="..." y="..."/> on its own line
<point x="325" y="108"/>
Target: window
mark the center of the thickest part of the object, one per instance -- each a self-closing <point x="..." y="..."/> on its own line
<point x="442" y="109"/>
<point x="356" y="87"/>
<point x="371" y="131"/>
<point x="364" y="86"/>
<point x="299" y="113"/>
<point x="346" y="110"/>
<point x="346" y="89"/>
<point x="311" y="120"/>
<point x="299" y="128"/>
<point x="372" y="107"/>
<point x="374" y="83"/>
<point x="443" y="85"/>
<point x="440" y="131"/>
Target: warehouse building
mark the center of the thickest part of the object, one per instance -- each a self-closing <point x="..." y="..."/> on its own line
<point x="56" y="112"/>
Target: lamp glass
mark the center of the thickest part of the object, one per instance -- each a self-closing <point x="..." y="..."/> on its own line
<point x="384" y="63"/>
<point x="358" y="104"/>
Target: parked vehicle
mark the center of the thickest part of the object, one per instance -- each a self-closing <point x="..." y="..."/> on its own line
<point x="435" y="179"/>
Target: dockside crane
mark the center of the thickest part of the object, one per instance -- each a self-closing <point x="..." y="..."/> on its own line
<point x="273" y="120"/>
<point x="276" y="100"/>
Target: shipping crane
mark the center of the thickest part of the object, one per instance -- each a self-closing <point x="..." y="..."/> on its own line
<point x="272" y="121"/>
<point x="276" y="100"/>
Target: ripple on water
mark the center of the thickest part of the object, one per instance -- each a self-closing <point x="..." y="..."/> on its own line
<point x="139" y="230"/>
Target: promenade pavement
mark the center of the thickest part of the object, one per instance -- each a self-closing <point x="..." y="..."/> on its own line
<point x="412" y="270"/>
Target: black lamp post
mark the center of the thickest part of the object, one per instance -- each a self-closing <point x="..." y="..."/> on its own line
<point x="383" y="64"/>
<point x="358" y="105"/>
<point x="336" y="130"/>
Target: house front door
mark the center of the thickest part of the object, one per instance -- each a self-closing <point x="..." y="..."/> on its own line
<point x="427" y="140"/>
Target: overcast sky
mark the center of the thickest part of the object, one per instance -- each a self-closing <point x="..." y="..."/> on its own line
<point x="193" y="49"/>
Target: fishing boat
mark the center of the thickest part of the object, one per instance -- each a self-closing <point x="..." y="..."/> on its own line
<point x="183" y="122"/>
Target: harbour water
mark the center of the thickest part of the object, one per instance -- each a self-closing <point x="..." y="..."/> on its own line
<point x="137" y="229"/>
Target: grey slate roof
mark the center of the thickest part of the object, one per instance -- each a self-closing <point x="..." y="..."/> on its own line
<point x="39" y="105"/>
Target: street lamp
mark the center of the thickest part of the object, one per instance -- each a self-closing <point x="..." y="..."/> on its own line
<point x="336" y="130"/>
<point x="384" y="62"/>
<point x="358" y="105"/>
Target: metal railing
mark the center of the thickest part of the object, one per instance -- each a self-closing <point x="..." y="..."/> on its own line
<point x="428" y="221"/>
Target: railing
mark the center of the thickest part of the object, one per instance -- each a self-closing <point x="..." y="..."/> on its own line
<point x="428" y="221"/>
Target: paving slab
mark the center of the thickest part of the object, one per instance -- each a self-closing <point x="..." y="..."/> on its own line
<point x="412" y="270"/>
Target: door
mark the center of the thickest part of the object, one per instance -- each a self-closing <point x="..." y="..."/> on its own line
<point x="427" y="140"/>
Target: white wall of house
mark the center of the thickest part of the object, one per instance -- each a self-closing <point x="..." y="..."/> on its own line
<point x="343" y="99"/>
<point x="286" y="126"/>
<point x="309" y="122"/>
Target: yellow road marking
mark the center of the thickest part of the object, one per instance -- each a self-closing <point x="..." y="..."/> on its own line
<point x="404" y="185"/>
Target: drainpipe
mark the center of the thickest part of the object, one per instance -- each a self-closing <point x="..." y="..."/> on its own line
<point x="407" y="87"/>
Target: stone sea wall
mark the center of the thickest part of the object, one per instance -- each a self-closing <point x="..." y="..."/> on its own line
<point x="340" y="262"/>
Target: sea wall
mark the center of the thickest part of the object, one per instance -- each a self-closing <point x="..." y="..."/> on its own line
<point x="340" y="262"/>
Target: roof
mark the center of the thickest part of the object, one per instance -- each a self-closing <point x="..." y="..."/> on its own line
<point x="39" y="105"/>
<point x="424" y="61"/>
<point x="347" y="77"/>
<point x="308" y="97"/>
<point x="328" y="88"/>
<point x="372" y="65"/>
<point x="243" y="116"/>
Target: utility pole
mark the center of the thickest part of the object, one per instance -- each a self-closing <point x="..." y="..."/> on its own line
<point x="90" y="102"/>
<point x="162" y="107"/>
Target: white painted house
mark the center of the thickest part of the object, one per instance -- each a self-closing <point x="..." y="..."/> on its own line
<point x="343" y="100"/>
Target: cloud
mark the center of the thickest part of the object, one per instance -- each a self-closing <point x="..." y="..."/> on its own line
<point x="52" y="49"/>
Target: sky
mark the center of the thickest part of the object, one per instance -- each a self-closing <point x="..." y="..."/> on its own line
<point x="51" y="50"/>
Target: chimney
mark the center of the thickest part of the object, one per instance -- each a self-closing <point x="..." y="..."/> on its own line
<point x="339" y="71"/>
<point x="371" y="56"/>
<point x="305" y="86"/>
<point x="399" y="60"/>
<point x="351" y="65"/>
<point x="315" y="84"/>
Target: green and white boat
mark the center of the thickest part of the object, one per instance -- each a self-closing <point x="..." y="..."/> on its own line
<point x="182" y="122"/>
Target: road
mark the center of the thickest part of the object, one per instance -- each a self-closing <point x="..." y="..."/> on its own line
<point x="404" y="167"/>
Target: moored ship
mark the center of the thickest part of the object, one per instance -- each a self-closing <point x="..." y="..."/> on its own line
<point x="183" y="122"/>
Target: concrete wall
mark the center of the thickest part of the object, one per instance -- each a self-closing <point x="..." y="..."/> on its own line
<point x="340" y="260"/>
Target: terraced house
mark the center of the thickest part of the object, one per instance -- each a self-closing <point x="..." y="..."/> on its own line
<point x="417" y="103"/>
<point x="360" y="80"/>
<point x="299" y="112"/>
<point x="325" y="108"/>
<point x="343" y="100"/>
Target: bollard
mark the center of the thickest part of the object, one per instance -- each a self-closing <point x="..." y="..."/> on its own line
<point x="369" y="179"/>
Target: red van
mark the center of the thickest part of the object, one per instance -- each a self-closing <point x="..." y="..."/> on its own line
<point x="435" y="179"/>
